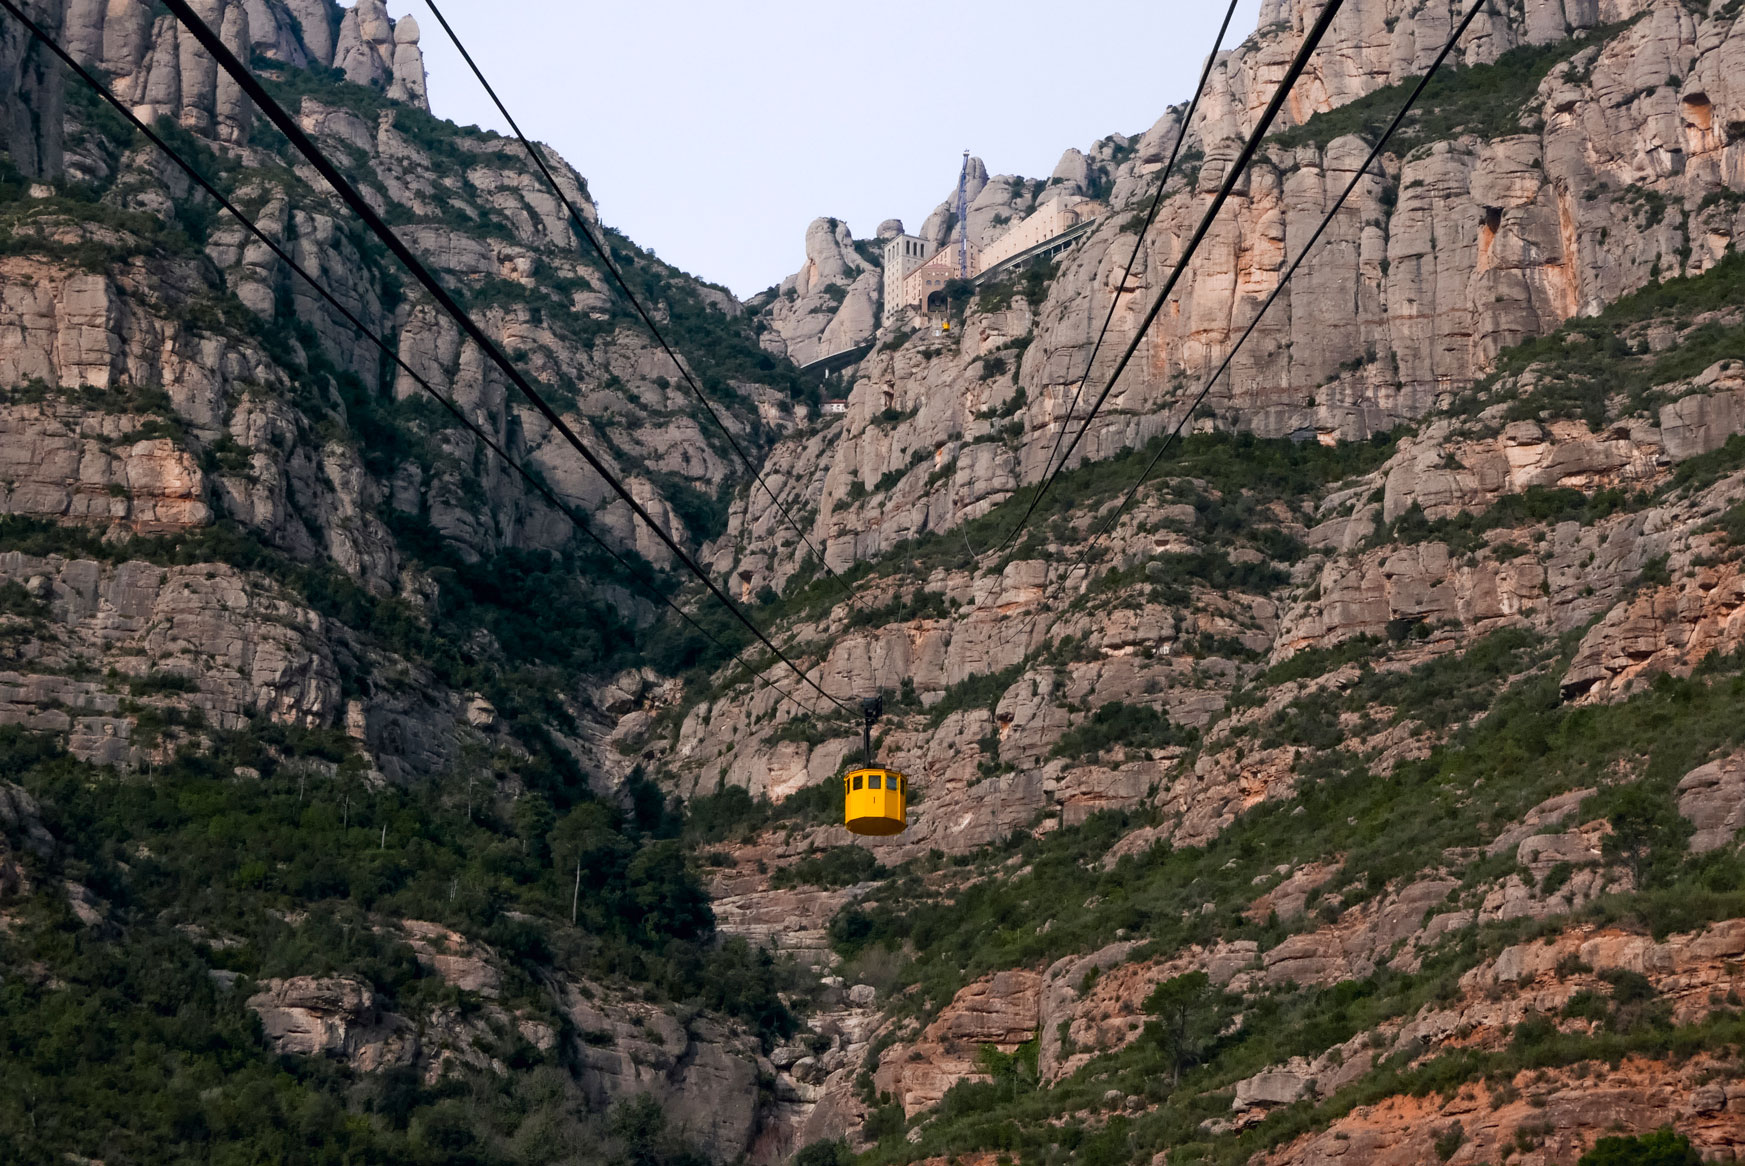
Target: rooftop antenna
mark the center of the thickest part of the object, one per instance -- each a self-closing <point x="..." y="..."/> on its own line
<point x="963" y="219"/>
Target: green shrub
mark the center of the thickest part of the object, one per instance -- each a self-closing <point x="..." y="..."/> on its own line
<point x="1483" y="100"/>
<point x="1134" y="726"/>
<point x="1628" y="987"/>
<point x="918" y="604"/>
<point x="1706" y="469"/>
<point x="1537" y="505"/>
<point x="834" y="1152"/>
<point x="153" y="683"/>
<point x="1586" y="1005"/>
<point x="1732" y="525"/>
<point x="813" y="731"/>
<point x="1313" y="662"/>
<point x="1661" y="1148"/>
<point x="15" y="600"/>
<point x="1586" y="364"/>
<point x="884" y="1121"/>
<point x="983" y="691"/>
<point x="839" y="866"/>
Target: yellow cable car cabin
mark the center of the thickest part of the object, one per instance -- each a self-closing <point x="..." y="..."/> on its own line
<point x="875" y="801"/>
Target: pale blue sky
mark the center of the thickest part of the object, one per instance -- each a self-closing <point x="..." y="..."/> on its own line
<point x="713" y="132"/>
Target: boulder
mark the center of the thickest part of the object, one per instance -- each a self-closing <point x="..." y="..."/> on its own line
<point x="333" y="1017"/>
<point x="1703" y="421"/>
<point x="458" y="961"/>
<point x="1712" y="798"/>
<point x="1273" y="1087"/>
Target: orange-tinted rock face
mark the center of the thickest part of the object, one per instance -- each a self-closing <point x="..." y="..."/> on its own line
<point x="1002" y="1010"/>
<point x="1545" y="1117"/>
<point x="59" y="464"/>
<point x="1671" y="629"/>
<point x="1689" y="976"/>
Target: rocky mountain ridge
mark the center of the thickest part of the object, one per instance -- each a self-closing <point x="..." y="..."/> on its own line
<point x="1470" y="242"/>
<point x="1374" y="788"/>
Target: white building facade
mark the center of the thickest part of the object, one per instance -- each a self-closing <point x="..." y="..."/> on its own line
<point x="903" y="255"/>
<point x="1055" y="217"/>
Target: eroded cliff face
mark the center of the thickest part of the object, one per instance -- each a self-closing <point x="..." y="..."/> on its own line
<point x="703" y="1073"/>
<point x="1461" y="245"/>
<point x="1335" y="736"/>
<point x="235" y="535"/>
<point x="165" y="389"/>
<point x="941" y="430"/>
<point x="1511" y="376"/>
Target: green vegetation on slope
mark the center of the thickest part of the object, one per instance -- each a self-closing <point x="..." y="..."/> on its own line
<point x="1133" y="726"/>
<point x="1443" y="692"/>
<point x="1661" y="1148"/>
<point x="129" y="1041"/>
<point x="1485" y="101"/>
<point x="1537" y="505"/>
<point x="1246" y="472"/>
<point x="1527" y="747"/>
<point x="1587" y="363"/>
<point x="541" y="611"/>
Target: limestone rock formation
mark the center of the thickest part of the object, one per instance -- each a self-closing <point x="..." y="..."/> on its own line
<point x="372" y="49"/>
<point x="1436" y="504"/>
<point x="451" y="956"/>
<point x="999" y="1011"/>
<point x="335" y="1017"/>
<point x="831" y="304"/>
<point x="163" y="72"/>
<point x="146" y="409"/>
<point x="1712" y="798"/>
<point x="32" y="128"/>
<point x="1456" y="249"/>
<point x="21" y="833"/>
<point x="703" y="1073"/>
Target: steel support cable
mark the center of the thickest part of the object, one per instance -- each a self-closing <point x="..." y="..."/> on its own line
<point x="1127" y="274"/>
<point x="349" y="195"/>
<point x="538" y="156"/>
<point x="1310" y="42"/>
<point x="375" y="338"/>
<point x="1326" y="221"/>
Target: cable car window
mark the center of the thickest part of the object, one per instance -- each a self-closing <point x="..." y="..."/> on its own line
<point x="897" y="782"/>
<point x="874" y="782"/>
<point x="857" y="781"/>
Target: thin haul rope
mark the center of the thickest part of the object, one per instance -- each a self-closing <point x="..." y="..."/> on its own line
<point x="538" y="157"/>
<point x="1127" y="274"/>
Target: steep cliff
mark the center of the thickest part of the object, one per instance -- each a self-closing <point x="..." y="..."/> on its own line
<point x="249" y="564"/>
<point x="1468" y="486"/>
<point x="1575" y="159"/>
<point x="1373" y="787"/>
